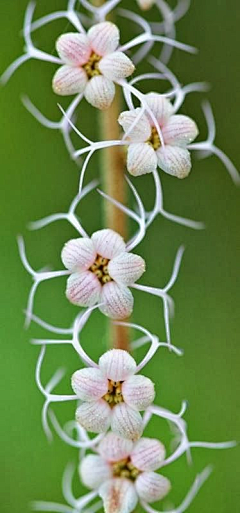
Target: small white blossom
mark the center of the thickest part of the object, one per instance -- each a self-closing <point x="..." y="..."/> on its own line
<point x="147" y="149"/>
<point x="124" y="473"/>
<point x="92" y="64"/>
<point x="101" y="272"/>
<point x="113" y="395"/>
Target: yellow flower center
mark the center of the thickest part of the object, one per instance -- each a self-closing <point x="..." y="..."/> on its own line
<point x="114" y="393"/>
<point x="125" y="468"/>
<point x="100" y="269"/>
<point x="91" y="67"/>
<point x="154" y="139"/>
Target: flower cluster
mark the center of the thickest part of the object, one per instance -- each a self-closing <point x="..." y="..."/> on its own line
<point x="92" y="63"/>
<point x="114" y="400"/>
<point x="124" y="472"/>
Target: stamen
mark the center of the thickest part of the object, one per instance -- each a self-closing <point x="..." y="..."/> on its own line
<point x="114" y="394"/>
<point x="91" y="67"/>
<point x="154" y="139"/>
<point x="125" y="468"/>
<point x="100" y="269"/>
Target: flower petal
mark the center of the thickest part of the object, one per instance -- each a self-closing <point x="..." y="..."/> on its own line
<point x="175" y="161"/>
<point x="73" y="48"/>
<point x="117" y="301"/>
<point x="83" y="289"/>
<point x="68" y="80"/>
<point x="161" y="107"/>
<point x="152" y="487"/>
<point x="126" y="422"/>
<point x="116" y="66"/>
<point x="94" y="416"/>
<point x="89" y="384"/>
<point x="138" y="392"/>
<point x="148" y="454"/>
<point x="117" y="364"/>
<point x="179" y="130"/>
<point x="78" y="254"/>
<point x="94" y="470"/>
<point x="118" y="495"/>
<point x="126" y="268"/>
<point x="100" y="92"/>
<point x="104" y="37"/>
<point x="141" y="159"/>
<point x="141" y="131"/>
<point x="145" y="4"/>
<point x="114" y="448"/>
<point x="108" y="243"/>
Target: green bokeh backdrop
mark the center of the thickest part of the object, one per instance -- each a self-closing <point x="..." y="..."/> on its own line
<point x="38" y="178"/>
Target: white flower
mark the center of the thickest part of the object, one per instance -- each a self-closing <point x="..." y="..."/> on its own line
<point x="146" y="151"/>
<point x="113" y="395"/>
<point x="101" y="271"/>
<point x="123" y="473"/>
<point x="92" y="64"/>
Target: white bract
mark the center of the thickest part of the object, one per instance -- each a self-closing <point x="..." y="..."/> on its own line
<point x="92" y="64"/>
<point x="159" y="142"/>
<point x="123" y="473"/>
<point x="113" y="395"/>
<point x="101" y="272"/>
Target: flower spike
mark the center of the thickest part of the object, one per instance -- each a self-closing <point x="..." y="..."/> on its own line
<point x="113" y="399"/>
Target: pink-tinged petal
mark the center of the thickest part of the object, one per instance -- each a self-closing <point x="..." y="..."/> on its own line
<point x="116" y="66"/>
<point x="152" y="487"/>
<point x="108" y="243"/>
<point x="83" y="289"/>
<point x="94" y="471"/>
<point x="68" y="80"/>
<point x="78" y="254"/>
<point x="100" y="92"/>
<point x="104" y="37"/>
<point x="94" y="416"/>
<point x="73" y="48"/>
<point x="117" y="364"/>
<point x="179" y="130"/>
<point x="142" y="129"/>
<point x="114" y="448"/>
<point x="138" y="392"/>
<point x="148" y="454"/>
<point x="89" y="384"/>
<point x="118" y="495"/>
<point x="126" y="268"/>
<point x="141" y="159"/>
<point x="160" y="106"/>
<point x="174" y="161"/>
<point x="117" y="301"/>
<point x="126" y="422"/>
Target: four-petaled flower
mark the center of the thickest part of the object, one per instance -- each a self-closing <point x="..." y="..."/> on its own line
<point x="123" y="473"/>
<point x="146" y="151"/>
<point x="102" y="270"/>
<point x="92" y="64"/>
<point x="113" y="395"/>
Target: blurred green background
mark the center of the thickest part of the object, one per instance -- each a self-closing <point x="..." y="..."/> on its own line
<point x="38" y="178"/>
